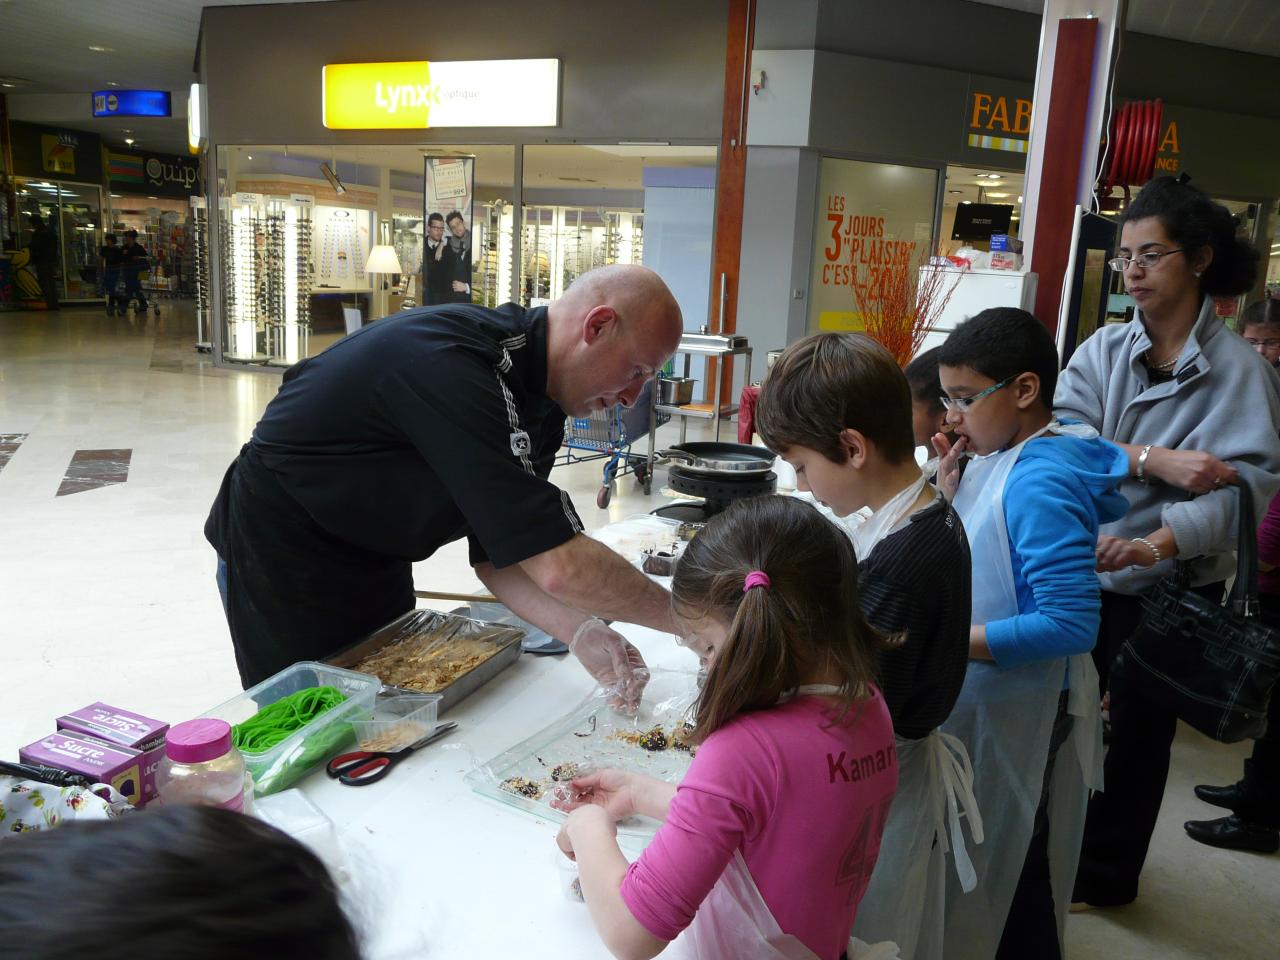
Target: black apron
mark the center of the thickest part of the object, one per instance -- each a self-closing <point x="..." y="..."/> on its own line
<point x="299" y="594"/>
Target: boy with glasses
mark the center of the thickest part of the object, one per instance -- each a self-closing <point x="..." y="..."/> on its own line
<point x="1031" y="499"/>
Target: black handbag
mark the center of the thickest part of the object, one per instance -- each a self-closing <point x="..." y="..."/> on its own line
<point x="1214" y="664"/>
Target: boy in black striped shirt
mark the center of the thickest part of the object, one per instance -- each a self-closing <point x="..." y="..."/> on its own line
<point x="838" y="409"/>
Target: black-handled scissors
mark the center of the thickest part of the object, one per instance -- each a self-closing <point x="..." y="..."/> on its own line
<point x="364" y="767"/>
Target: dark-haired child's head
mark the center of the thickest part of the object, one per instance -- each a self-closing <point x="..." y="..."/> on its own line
<point x="999" y="369"/>
<point x="928" y="415"/>
<point x="1260" y="326"/>
<point x="184" y="883"/>
<point x="1197" y="251"/>
<point x="834" y="404"/>
<point x="761" y="641"/>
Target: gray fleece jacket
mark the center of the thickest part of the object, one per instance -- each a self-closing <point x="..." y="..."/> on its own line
<point x="1224" y="400"/>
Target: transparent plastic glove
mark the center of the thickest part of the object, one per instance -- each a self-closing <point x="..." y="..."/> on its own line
<point x="613" y="661"/>
<point x="614" y="790"/>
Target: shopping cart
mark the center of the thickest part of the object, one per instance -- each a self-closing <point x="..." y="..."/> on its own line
<point x="608" y="435"/>
<point x="156" y="286"/>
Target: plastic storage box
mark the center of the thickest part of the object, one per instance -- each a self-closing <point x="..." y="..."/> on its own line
<point x="288" y="761"/>
<point x="399" y="719"/>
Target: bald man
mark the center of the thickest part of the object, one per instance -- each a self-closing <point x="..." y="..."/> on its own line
<point x="424" y="428"/>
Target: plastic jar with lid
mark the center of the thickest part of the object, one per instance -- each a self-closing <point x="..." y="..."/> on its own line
<point x="202" y="767"/>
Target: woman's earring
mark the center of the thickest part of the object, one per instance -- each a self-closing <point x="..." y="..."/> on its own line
<point x="1196" y="273"/>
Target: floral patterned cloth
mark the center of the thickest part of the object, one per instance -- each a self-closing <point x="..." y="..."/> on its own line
<point x="27" y="805"/>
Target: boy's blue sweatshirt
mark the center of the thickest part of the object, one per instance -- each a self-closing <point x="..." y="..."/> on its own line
<point x="1057" y="495"/>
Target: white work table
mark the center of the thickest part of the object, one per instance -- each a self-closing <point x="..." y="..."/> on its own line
<point x="440" y="871"/>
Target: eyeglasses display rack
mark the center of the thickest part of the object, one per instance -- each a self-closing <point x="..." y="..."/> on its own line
<point x="560" y="244"/>
<point x="267" y="277"/>
<point x="200" y="270"/>
<point x="492" y="241"/>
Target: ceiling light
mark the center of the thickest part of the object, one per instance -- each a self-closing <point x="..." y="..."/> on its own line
<point x="966" y="202"/>
<point x="998" y="196"/>
<point x="153" y="198"/>
<point x="129" y="141"/>
<point x="993" y="176"/>
<point x="955" y="191"/>
<point x="112" y="83"/>
<point x="99" y="49"/>
<point x="249" y="156"/>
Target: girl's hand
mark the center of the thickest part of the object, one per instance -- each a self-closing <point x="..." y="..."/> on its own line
<point x="949" y="454"/>
<point x="1192" y="470"/>
<point x="1115" y="553"/>
<point x="613" y="790"/>
<point x="580" y="818"/>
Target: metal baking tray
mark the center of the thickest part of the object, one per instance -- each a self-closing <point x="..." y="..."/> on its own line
<point x="415" y="622"/>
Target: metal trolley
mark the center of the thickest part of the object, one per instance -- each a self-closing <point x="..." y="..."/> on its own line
<point x="157" y="286"/>
<point x="608" y="435"/>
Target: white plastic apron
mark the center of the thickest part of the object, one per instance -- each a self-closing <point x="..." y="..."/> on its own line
<point x="734" y="922"/>
<point x="867" y="533"/>
<point x="905" y="901"/>
<point x="1005" y="719"/>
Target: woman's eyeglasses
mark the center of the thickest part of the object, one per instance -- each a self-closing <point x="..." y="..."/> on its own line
<point x="1145" y="260"/>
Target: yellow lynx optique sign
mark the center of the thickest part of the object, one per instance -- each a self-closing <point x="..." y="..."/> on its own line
<point x="415" y="94"/>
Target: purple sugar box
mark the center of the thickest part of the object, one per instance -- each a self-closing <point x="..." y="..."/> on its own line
<point x="111" y="725"/>
<point x="100" y="762"/>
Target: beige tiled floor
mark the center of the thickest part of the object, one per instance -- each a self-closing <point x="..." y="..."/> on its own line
<point x="109" y="594"/>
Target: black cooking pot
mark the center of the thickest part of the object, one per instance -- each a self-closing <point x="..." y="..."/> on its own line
<point x="721" y="459"/>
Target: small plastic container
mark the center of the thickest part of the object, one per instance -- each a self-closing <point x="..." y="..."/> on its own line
<point x="399" y="719"/>
<point x="567" y="878"/>
<point x="292" y="812"/>
<point x="201" y="767"/>
<point x="291" y="759"/>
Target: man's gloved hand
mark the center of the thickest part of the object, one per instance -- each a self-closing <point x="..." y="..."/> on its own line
<point x="613" y="661"/>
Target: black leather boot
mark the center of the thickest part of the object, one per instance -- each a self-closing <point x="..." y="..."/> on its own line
<point x="1232" y="833"/>
<point x="1228" y="798"/>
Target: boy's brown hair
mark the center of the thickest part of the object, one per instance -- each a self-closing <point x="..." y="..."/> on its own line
<point x="806" y="619"/>
<point x="830" y="382"/>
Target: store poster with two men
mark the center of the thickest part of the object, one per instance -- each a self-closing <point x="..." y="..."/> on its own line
<point x="446" y="249"/>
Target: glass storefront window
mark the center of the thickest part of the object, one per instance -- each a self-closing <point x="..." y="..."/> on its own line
<point x="586" y="206"/>
<point x="293" y="248"/>
<point x="81" y="221"/>
<point x="73" y="211"/>
<point x="873" y="221"/>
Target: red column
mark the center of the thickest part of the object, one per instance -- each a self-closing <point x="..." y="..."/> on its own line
<point x="731" y="178"/>
<point x="1066" y="128"/>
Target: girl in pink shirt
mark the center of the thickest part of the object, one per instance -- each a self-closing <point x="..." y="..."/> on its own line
<point x="768" y="843"/>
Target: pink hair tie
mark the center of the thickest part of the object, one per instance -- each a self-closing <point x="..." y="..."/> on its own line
<point x="757" y="578"/>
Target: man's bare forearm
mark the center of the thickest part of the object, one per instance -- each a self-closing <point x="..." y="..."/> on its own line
<point x="529" y="602"/>
<point x="589" y="576"/>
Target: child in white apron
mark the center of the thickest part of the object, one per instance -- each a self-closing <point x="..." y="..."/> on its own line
<point x="1034" y="495"/>
<point x="769" y="841"/>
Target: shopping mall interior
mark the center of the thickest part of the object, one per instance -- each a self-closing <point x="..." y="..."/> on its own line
<point x="197" y="211"/>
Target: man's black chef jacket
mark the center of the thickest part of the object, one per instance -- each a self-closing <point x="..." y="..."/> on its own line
<point x="415" y="431"/>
